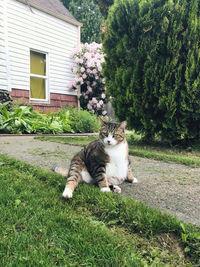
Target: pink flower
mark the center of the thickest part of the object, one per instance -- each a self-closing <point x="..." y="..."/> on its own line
<point x="82" y="69"/>
<point x="94" y="100"/>
<point x="76" y="51"/>
<point x="103" y="96"/>
<point x="99" y="68"/>
<point x="84" y="76"/>
<point x="89" y="64"/>
<point x="94" y="84"/>
<point x="89" y="89"/>
<point x="76" y="60"/>
<point x="89" y="106"/>
<point x="79" y="80"/>
<point x="98" y="105"/>
<point x="87" y="56"/>
<point x="89" y="71"/>
<point x="101" y="102"/>
<point x="71" y="84"/>
<point x="76" y="80"/>
<point x="74" y="70"/>
<point x="94" y="71"/>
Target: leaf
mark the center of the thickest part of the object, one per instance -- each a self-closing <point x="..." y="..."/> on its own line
<point x="187" y="249"/>
<point x="113" y="222"/>
<point x="17" y="202"/>
<point x="184" y="237"/>
<point x="17" y="123"/>
<point x="183" y="227"/>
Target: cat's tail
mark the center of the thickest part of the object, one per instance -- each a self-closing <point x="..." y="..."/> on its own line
<point x="60" y="170"/>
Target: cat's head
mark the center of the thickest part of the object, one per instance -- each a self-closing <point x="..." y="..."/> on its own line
<point x="112" y="133"/>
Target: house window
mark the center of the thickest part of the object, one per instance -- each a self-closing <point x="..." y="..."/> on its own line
<point x="38" y="76"/>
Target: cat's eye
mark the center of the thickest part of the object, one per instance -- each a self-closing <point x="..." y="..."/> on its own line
<point x="105" y="134"/>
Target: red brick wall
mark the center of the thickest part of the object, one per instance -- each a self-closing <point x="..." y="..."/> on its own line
<point x="56" y="100"/>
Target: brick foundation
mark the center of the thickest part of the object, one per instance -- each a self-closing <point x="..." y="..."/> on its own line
<point x="56" y="100"/>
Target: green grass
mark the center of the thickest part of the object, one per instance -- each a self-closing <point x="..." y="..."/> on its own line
<point x="157" y="150"/>
<point x="39" y="228"/>
<point x="71" y="140"/>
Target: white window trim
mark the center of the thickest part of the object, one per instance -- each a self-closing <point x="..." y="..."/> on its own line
<point x="46" y="78"/>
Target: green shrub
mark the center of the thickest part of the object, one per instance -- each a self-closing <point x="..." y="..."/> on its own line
<point x="83" y="122"/>
<point x="24" y="120"/>
<point x="152" y="66"/>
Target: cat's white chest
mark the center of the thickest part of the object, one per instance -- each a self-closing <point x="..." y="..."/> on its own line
<point x="117" y="168"/>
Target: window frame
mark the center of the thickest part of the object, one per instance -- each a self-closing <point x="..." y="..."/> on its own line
<point x="45" y="77"/>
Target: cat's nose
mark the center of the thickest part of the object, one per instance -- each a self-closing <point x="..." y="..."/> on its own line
<point x="109" y="142"/>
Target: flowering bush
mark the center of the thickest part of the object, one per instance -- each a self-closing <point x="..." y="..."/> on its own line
<point x="88" y="59"/>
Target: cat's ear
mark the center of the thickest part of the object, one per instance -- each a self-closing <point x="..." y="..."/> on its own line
<point x="102" y="121"/>
<point x="123" y="125"/>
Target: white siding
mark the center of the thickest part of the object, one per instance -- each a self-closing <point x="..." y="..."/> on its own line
<point x="42" y="32"/>
<point x="4" y="81"/>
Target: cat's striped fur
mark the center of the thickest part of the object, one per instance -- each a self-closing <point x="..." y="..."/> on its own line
<point x="104" y="162"/>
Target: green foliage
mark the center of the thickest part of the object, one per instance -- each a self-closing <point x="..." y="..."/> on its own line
<point x="84" y="122"/>
<point x="88" y="13"/>
<point x="104" y="6"/>
<point x="66" y="3"/>
<point x="152" y="66"/>
<point x="24" y="120"/>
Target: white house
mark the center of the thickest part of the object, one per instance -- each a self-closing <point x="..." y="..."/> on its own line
<point x="36" y="41"/>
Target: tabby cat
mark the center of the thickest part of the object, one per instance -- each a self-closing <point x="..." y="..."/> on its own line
<point x="103" y="162"/>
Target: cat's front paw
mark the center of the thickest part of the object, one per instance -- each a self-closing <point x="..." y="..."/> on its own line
<point x="135" y="181"/>
<point x="105" y="189"/>
<point x="67" y="193"/>
<point x="117" y="189"/>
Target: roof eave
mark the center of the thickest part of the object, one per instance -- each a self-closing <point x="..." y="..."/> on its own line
<point x="59" y="16"/>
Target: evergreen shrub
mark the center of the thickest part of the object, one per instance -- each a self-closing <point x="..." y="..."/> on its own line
<point x="152" y="66"/>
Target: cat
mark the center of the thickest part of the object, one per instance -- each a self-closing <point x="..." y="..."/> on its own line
<point x="104" y="162"/>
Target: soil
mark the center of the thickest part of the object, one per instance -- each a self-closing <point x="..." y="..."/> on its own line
<point x="172" y="188"/>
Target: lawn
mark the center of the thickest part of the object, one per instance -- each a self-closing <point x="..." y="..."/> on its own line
<point x="155" y="150"/>
<point x="39" y="228"/>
